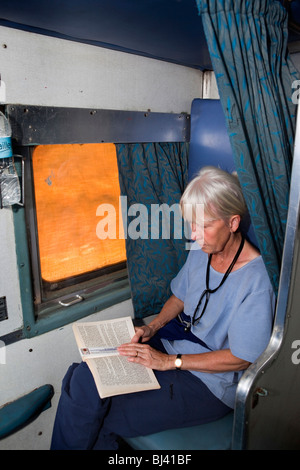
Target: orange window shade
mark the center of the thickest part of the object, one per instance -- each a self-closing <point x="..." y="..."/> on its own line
<point x="70" y="182"/>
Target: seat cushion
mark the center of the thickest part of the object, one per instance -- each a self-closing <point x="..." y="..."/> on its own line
<point x="17" y="414"/>
<point x="216" y="435"/>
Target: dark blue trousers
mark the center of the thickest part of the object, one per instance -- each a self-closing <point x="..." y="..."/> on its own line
<point x="85" y="421"/>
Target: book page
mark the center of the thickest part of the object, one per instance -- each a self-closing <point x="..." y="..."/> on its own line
<point x="101" y="338"/>
<point x="113" y="373"/>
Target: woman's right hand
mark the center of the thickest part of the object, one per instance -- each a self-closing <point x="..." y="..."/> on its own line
<point x="170" y="310"/>
<point x="143" y="333"/>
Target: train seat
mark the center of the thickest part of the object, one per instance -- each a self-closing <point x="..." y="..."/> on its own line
<point x="216" y="435"/>
<point x="19" y="413"/>
<point x="210" y="145"/>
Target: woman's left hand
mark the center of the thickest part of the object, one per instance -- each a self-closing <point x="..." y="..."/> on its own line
<point x="145" y="355"/>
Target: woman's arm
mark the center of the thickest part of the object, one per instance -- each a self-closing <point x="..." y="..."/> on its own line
<point x="210" y="362"/>
<point x="170" y="310"/>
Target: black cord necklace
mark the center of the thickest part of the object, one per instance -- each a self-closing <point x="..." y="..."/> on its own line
<point x="209" y="291"/>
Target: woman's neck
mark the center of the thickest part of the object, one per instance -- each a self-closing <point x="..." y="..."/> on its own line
<point x="221" y="260"/>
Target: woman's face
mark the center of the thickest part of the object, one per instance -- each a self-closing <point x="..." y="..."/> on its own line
<point x="212" y="235"/>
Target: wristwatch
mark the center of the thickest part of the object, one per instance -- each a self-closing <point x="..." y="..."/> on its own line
<point x="178" y="362"/>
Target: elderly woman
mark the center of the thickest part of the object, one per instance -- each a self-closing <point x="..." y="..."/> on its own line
<point x="217" y="322"/>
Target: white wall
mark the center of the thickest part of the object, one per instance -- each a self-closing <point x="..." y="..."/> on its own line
<point x="38" y="70"/>
<point x="9" y="281"/>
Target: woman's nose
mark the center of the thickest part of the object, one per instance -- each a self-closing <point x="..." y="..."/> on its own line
<point x="194" y="232"/>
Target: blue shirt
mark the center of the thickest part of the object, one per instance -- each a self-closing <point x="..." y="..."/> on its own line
<point x="239" y="316"/>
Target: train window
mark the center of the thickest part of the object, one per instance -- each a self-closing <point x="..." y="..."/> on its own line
<point x="70" y="182"/>
<point x="67" y="267"/>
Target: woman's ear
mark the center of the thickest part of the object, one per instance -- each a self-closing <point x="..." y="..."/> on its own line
<point x="234" y="223"/>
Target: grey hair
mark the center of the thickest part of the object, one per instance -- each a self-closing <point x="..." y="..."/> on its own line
<point x="218" y="191"/>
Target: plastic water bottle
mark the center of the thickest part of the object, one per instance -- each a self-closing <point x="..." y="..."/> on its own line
<point x="10" y="192"/>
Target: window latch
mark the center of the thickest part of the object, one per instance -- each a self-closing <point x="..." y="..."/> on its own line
<point x="73" y="300"/>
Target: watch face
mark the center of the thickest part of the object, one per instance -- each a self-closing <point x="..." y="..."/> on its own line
<point x="178" y="362"/>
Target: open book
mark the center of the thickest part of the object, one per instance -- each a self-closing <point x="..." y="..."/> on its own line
<point x="113" y="373"/>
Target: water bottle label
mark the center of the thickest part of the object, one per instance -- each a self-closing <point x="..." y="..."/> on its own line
<point x="5" y="147"/>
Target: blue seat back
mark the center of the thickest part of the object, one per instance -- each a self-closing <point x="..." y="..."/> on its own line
<point x="210" y="145"/>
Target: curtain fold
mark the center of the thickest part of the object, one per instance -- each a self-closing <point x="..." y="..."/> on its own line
<point x="151" y="175"/>
<point x="247" y="42"/>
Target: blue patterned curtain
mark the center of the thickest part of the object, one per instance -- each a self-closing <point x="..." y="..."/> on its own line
<point x="151" y="175"/>
<point x="247" y="41"/>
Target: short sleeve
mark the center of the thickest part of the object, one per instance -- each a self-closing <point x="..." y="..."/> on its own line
<point x="180" y="283"/>
<point x="250" y="330"/>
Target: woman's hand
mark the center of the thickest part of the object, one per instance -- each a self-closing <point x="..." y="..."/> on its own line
<point x="170" y="310"/>
<point x="145" y="355"/>
<point x="143" y="334"/>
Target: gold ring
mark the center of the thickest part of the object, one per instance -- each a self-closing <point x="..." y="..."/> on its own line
<point x="137" y="354"/>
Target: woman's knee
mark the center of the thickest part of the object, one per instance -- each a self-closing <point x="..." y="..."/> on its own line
<point x="81" y="386"/>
